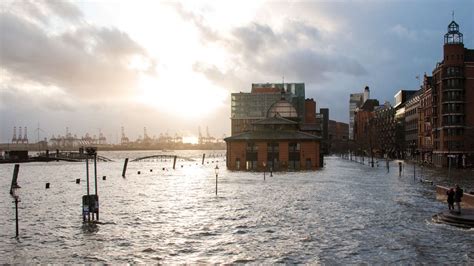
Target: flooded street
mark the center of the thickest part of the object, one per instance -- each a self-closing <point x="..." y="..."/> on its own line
<point x="343" y="213"/>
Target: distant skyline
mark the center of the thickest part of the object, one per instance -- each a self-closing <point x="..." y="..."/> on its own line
<point x="171" y="66"/>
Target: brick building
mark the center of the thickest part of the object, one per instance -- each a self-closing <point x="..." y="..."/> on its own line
<point x="426" y="110"/>
<point x="453" y="103"/>
<point x="411" y="125"/>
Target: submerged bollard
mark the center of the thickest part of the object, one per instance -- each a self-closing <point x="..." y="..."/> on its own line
<point x="47" y="185"/>
<point x="138" y="172"/>
<point x="151" y="170"/>
<point x="104" y="177"/>
<point x="399" y="168"/>
<point x="78" y="180"/>
<point x="203" y="157"/>
<point x="124" y="167"/>
<point x="174" y="162"/>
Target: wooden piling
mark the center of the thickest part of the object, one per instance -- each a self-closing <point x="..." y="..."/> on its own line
<point x="124" y="167"/>
<point x="203" y="157"/>
<point x="14" y="178"/>
<point x="399" y="168"/>
<point x="174" y="162"/>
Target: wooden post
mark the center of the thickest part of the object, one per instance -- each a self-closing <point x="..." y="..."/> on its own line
<point x="388" y="166"/>
<point x="399" y="168"/>
<point x="78" y="180"/>
<point x="124" y="167"/>
<point x="174" y="162"/>
<point x="14" y="178"/>
<point x="203" y="157"/>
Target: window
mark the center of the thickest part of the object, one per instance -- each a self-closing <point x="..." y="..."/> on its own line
<point x="273" y="155"/>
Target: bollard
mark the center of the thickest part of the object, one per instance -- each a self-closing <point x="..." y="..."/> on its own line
<point x="104" y="177"/>
<point x="181" y="166"/>
<point x="203" y="157"/>
<point x="388" y="166"/>
<point x="78" y="180"/>
<point x="174" y="162"/>
<point x="47" y="185"/>
<point x="151" y="170"/>
<point x="124" y="167"/>
<point x="163" y="168"/>
<point x="399" y="168"/>
<point x="138" y="172"/>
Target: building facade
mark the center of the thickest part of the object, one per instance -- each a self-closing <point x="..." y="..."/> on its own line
<point x="412" y="107"/>
<point x="247" y="108"/>
<point x="425" y="115"/>
<point x="384" y="124"/>
<point x="453" y="103"/>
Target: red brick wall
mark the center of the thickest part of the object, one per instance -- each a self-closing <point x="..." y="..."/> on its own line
<point x="262" y="154"/>
<point x="309" y="150"/>
<point x="236" y="150"/>
<point x="310" y="111"/>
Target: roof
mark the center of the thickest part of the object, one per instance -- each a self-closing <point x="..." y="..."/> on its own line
<point x="275" y="120"/>
<point x="273" y="135"/>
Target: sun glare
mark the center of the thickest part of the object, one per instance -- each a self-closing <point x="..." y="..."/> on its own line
<point x="187" y="96"/>
<point x="191" y="139"/>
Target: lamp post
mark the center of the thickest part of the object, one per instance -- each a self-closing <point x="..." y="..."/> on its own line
<point x="217" y="174"/>
<point x="15" y="195"/>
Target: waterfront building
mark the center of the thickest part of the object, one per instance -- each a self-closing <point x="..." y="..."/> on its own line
<point x="384" y="127"/>
<point x="363" y="127"/>
<point x="412" y="107"/>
<point x="401" y="98"/>
<point x="286" y="138"/>
<point x="426" y="111"/>
<point x="247" y="108"/>
<point x="453" y="103"/>
<point x="273" y="143"/>
<point x="338" y="136"/>
<point x="355" y="101"/>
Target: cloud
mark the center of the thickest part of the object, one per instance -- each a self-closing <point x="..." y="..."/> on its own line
<point x="403" y="32"/>
<point x="85" y="61"/>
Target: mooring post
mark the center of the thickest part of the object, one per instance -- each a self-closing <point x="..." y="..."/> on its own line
<point x="124" y="167"/>
<point x="399" y="168"/>
<point x="174" y="162"/>
<point x="203" y="157"/>
<point x="388" y="166"/>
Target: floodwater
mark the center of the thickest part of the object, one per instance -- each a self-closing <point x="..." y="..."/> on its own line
<point x="344" y="213"/>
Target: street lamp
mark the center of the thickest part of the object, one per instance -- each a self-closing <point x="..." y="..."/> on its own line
<point x="15" y="194"/>
<point x="217" y="174"/>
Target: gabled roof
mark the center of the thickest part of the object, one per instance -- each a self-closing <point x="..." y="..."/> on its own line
<point x="275" y="120"/>
<point x="273" y="135"/>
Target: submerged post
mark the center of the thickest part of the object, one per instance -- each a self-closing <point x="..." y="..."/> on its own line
<point x="217" y="173"/>
<point x="203" y="157"/>
<point x="388" y="166"/>
<point x="399" y="168"/>
<point x="14" y="192"/>
<point x="124" y="167"/>
<point x="174" y="162"/>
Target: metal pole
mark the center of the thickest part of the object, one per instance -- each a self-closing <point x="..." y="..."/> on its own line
<point x="87" y="175"/>
<point x="95" y="173"/>
<point x="16" y="217"/>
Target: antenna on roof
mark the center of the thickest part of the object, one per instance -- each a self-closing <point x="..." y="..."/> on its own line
<point x="452" y="14"/>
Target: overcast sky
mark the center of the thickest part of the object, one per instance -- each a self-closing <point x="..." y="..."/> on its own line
<point x="171" y="66"/>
